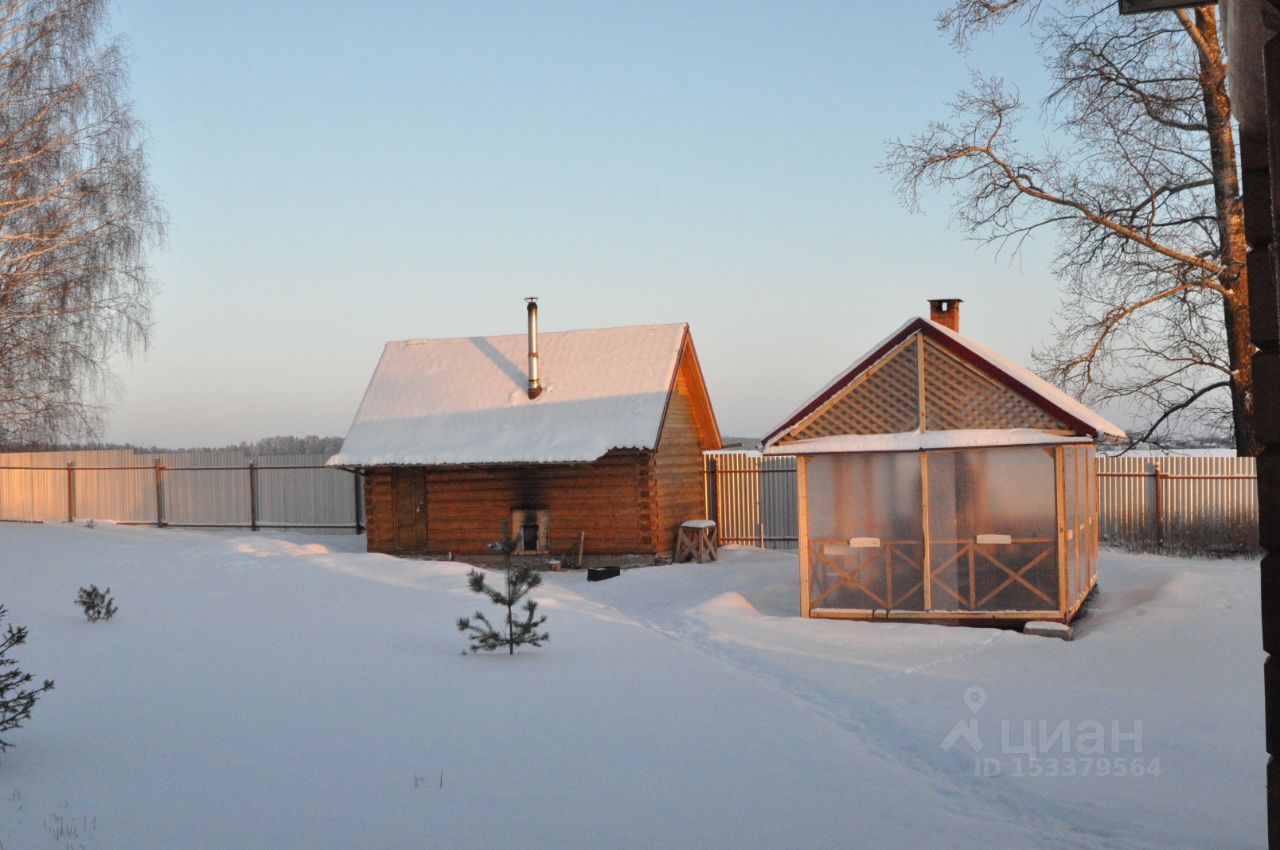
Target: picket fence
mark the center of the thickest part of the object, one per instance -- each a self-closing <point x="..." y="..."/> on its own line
<point x="1194" y="504"/>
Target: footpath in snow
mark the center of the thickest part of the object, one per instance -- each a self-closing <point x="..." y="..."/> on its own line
<point x="290" y="691"/>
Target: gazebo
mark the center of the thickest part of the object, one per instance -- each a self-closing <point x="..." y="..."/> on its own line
<point x="938" y="480"/>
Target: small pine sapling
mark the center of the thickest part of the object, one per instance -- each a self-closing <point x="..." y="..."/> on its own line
<point x="520" y="580"/>
<point x="16" y="700"/>
<point x="97" y="604"/>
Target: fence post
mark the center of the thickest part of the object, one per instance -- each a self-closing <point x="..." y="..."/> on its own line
<point x="159" y="493"/>
<point x="253" y="496"/>
<point x="711" y="497"/>
<point x="357" y="482"/>
<point x="1159" y="505"/>
<point x="71" y="491"/>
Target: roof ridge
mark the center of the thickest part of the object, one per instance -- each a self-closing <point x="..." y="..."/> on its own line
<point x="541" y="333"/>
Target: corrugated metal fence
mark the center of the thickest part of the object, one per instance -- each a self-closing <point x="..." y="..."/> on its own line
<point x="1185" y="504"/>
<point x="1189" y="504"/>
<point x="214" y="489"/>
<point x="752" y="498"/>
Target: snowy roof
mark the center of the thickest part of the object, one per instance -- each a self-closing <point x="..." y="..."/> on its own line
<point x="914" y="441"/>
<point x="465" y="400"/>
<point x="1016" y="377"/>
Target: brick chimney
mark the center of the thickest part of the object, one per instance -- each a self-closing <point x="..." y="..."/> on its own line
<point x="946" y="312"/>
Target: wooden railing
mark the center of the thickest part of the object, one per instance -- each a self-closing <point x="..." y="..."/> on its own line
<point x="968" y="554"/>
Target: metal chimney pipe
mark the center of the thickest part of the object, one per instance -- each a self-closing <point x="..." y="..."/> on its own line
<point x="535" y="384"/>
<point x="946" y="312"/>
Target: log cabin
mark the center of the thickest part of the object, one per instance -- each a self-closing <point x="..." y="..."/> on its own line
<point x="590" y="454"/>
<point x="938" y="480"/>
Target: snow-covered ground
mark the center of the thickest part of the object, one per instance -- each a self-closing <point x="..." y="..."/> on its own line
<point x="287" y="691"/>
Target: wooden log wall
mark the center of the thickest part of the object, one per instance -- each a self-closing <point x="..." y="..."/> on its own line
<point x="466" y="508"/>
<point x="677" y="468"/>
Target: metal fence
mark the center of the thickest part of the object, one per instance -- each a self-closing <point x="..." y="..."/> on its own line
<point x="752" y="498"/>
<point x="201" y="489"/>
<point x="1206" y="505"/>
<point x="1188" y="504"/>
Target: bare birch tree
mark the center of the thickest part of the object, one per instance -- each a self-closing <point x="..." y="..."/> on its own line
<point x="1138" y="180"/>
<point x="77" y="216"/>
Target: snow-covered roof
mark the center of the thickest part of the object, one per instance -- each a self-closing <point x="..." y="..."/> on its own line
<point x="915" y="441"/>
<point x="1015" y="376"/>
<point x="465" y="400"/>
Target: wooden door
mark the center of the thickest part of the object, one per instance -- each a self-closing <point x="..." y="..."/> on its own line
<point x="409" y="496"/>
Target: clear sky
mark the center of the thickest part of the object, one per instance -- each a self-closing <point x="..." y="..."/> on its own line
<point x="338" y="175"/>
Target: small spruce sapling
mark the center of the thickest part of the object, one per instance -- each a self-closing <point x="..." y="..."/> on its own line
<point x="97" y="604"/>
<point x="520" y="580"/>
<point x="16" y="699"/>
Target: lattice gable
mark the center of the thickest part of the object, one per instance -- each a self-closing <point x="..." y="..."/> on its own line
<point x="882" y="399"/>
<point x="959" y="395"/>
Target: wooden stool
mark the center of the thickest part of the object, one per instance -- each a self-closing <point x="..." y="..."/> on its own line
<point x="696" y="540"/>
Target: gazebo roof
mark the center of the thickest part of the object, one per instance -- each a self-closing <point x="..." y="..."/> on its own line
<point x="926" y="386"/>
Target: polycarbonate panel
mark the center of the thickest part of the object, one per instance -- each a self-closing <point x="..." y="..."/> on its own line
<point x="1087" y="529"/>
<point x="873" y="497"/>
<point x="1002" y="491"/>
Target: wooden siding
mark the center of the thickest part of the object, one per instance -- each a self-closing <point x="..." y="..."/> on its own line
<point x="379" y="517"/>
<point x="677" y="467"/>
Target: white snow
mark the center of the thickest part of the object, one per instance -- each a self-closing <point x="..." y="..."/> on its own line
<point x="444" y="401"/>
<point x="914" y="441"/>
<point x="287" y="691"/>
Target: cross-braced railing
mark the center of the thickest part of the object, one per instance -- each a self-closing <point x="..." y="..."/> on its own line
<point x="968" y="555"/>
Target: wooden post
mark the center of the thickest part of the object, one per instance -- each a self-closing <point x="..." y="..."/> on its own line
<point x="159" y="493"/>
<point x="1060" y="499"/>
<point x="1159" y="505"/>
<point x="802" y="505"/>
<point x="358" y="483"/>
<point x="253" y="496"/>
<point x="711" y="490"/>
<point x="973" y="583"/>
<point x="925" y="563"/>
<point x="922" y="413"/>
<point x="1060" y="496"/>
<point x="1261" y="171"/>
<point x="71" y="491"/>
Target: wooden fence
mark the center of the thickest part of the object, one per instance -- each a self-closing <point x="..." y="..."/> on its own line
<point x="203" y="489"/>
<point x="1203" y="505"/>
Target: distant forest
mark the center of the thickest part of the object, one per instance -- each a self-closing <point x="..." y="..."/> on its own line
<point x="282" y="445"/>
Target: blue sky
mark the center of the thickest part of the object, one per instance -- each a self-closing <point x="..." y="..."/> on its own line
<point x="338" y="175"/>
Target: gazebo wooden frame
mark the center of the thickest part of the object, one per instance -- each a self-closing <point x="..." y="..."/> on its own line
<point x="1075" y="547"/>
